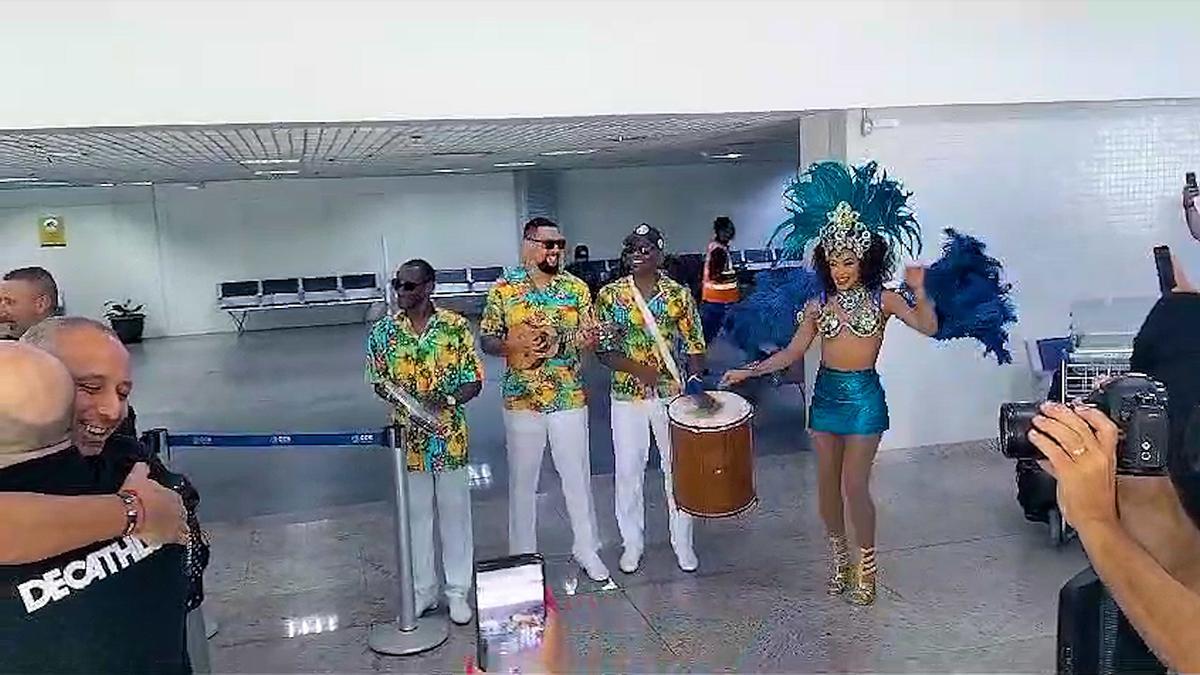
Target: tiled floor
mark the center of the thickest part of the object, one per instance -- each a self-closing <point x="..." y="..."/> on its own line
<point x="968" y="584"/>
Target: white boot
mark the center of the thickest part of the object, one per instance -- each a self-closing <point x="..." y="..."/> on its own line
<point x="460" y="611"/>
<point x="631" y="560"/>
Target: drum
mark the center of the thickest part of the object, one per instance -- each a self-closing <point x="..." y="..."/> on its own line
<point x="712" y="456"/>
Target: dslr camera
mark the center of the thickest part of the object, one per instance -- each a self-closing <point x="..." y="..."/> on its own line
<point x="1135" y="402"/>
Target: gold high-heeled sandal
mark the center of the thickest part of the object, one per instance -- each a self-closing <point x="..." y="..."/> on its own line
<point x="862" y="591"/>
<point x="839" y="565"/>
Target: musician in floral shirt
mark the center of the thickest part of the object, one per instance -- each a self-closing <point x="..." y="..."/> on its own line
<point x="538" y="309"/>
<point x="643" y="384"/>
<point x="429" y="353"/>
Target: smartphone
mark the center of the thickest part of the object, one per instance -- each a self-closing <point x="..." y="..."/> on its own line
<point x="1166" y="269"/>
<point x="1190" y="178"/>
<point x="510" y="600"/>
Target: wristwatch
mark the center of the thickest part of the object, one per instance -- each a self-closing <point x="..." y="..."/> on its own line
<point x="451" y="402"/>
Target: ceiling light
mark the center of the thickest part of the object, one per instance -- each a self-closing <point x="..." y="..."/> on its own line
<point x="728" y="155"/>
<point x="106" y="184"/>
<point x="139" y="182"/>
<point x="556" y="153"/>
<point x="53" y="183"/>
<point x="505" y="165"/>
<point x="450" y="170"/>
<point x="277" y="172"/>
<point x="250" y="162"/>
<point x="26" y="179"/>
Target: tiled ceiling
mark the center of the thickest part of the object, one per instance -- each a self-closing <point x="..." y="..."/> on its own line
<point x="344" y="150"/>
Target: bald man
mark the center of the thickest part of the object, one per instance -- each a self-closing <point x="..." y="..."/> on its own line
<point x="99" y="364"/>
<point x="33" y="526"/>
<point x="114" y="606"/>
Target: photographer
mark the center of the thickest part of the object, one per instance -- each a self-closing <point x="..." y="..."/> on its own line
<point x="1167" y="349"/>
<point x="1146" y="566"/>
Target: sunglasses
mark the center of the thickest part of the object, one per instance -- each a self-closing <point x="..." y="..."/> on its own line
<point x="550" y="244"/>
<point x="408" y="285"/>
<point x="641" y="249"/>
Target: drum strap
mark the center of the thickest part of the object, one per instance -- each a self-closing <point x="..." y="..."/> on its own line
<point x="664" y="351"/>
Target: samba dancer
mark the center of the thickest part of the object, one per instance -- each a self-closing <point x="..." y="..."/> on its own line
<point x="860" y="221"/>
<point x="429" y="353"/>
<point x="645" y="378"/>
<point x="539" y="317"/>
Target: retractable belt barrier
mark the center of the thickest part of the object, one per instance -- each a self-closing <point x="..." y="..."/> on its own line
<point x="409" y="634"/>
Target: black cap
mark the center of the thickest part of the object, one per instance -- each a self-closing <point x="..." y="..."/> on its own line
<point x="647" y="232"/>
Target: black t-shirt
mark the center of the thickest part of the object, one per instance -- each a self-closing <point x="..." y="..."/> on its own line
<point x="113" y="607"/>
<point x="1167" y="348"/>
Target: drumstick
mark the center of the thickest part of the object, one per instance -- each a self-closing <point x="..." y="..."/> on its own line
<point x="703" y="399"/>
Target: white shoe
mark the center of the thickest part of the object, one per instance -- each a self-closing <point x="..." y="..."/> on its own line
<point x="594" y="567"/>
<point x="460" y="611"/>
<point x="631" y="559"/>
<point x="423" y="604"/>
<point x="687" y="560"/>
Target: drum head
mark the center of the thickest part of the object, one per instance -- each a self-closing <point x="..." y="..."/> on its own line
<point x="731" y="409"/>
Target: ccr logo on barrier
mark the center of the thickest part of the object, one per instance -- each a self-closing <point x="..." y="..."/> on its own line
<point x="362" y="439"/>
<point x="281" y="440"/>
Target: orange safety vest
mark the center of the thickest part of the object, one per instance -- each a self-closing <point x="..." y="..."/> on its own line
<point x="724" y="292"/>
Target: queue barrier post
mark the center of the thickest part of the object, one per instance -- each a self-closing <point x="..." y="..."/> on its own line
<point x="409" y="633"/>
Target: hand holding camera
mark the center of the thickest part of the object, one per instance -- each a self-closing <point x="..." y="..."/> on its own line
<point x="1080" y="447"/>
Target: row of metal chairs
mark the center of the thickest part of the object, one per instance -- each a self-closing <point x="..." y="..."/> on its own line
<point x="466" y="281"/>
<point x="299" y="291"/>
<point x="366" y="287"/>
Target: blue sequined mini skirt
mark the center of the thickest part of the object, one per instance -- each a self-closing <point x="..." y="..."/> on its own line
<point x="848" y="403"/>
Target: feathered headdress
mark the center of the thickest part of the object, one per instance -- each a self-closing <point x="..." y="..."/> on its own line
<point x="842" y="207"/>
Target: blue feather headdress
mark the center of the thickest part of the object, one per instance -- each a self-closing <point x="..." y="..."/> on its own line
<point x="841" y="207"/>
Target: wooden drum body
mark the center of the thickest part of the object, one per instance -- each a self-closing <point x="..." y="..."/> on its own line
<point x="712" y="456"/>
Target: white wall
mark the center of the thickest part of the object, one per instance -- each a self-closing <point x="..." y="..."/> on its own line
<point x="131" y="62"/>
<point x="112" y="251"/>
<point x="1071" y="197"/>
<point x="251" y="230"/>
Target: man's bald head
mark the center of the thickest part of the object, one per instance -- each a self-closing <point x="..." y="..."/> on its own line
<point x="99" y="364"/>
<point x="36" y="399"/>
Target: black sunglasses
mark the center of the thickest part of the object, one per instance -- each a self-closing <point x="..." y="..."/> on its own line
<point x="642" y="249"/>
<point x="408" y="285"/>
<point x="550" y="244"/>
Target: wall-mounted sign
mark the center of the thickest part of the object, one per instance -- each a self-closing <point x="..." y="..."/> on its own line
<point x="52" y="232"/>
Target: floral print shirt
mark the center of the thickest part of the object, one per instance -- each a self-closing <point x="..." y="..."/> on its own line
<point x="674" y="311"/>
<point x="563" y="305"/>
<point x="437" y="362"/>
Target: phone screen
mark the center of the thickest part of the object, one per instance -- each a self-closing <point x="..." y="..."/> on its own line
<point x="1166" y="269"/>
<point x="510" y="598"/>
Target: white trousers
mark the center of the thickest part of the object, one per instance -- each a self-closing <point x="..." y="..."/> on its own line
<point x="526" y="434"/>
<point x="632" y="424"/>
<point x="452" y="491"/>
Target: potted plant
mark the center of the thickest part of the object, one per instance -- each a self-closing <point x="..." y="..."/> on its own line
<point x="127" y="321"/>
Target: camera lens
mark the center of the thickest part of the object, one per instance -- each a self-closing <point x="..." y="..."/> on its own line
<point x="1016" y="419"/>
